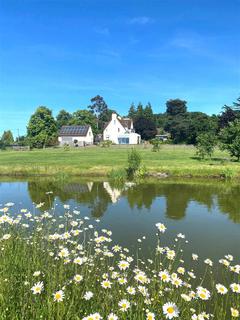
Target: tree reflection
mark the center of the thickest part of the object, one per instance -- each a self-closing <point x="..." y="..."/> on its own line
<point x="99" y="195"/>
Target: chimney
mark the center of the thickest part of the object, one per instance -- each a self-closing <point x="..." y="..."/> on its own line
<point x="114" y="116"/>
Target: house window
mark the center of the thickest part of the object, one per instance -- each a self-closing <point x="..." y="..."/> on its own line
<point x="114" y="121"/>
<point x="123" y="140"/>
<point x="118" y="129"/>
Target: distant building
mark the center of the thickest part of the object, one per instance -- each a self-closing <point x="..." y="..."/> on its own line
<point x="120" y="131"/>
<point x="162" y="137"/>
<point x="76" y="136"/>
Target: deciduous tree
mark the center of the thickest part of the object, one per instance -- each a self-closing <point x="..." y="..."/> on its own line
<point x="7" y="138"/>
<point x="205" y="144"/>
<point x="42" y="128"/>
<point x="84" y="117"/>
<point x="63" y="118"/>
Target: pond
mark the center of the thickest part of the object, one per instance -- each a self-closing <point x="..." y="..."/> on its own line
<point x="206" y="212"/>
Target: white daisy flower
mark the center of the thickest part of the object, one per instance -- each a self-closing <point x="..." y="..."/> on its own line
<point x="161" y="227"/>
<point x="221" y="289"/>
<point x="58" y="296"/>
<point x="112" y="316"/>
<point x="170" y="310"/>
<point x="124" y="305"/>
<point x="88" y="295"/>
<point x="37" y="288"/>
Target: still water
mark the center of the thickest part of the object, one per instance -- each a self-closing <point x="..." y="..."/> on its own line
<point x="208" y="213"/>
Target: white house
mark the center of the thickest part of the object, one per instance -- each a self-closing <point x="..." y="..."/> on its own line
<point x="120" y="131"/>
<point x="75" y="136"/>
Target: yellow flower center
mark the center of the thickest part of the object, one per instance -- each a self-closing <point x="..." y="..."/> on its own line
<point x="58" y="295"/>
<point x="170" y="310"/>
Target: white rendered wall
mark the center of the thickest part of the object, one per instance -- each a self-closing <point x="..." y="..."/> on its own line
<point x="87" y="139"/>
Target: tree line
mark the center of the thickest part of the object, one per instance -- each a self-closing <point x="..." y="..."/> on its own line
<point x="181" y="125"/>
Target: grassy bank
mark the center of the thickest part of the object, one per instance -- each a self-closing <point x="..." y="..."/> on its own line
<point x="95" y="161"/>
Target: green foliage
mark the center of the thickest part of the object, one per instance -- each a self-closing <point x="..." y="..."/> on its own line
<point x="132" y="111"/>
<point x="140" y="111"/>
<point x="7" y="138"/>
<point x="156" y="143"/>
<point x="63" y="118"/>
<point x="230" y="138"/>
<point x="205" y="145"/>
<point x="229" y="114"/>
<point x="84" y="117"/>
<point x="160" y="120"/>
<point x="42" y="129"/>
<point x="199" y="123"/>
<point x="176" y="107"/>
<point x="98" y="105"/>
<point x="141" y="173"/>
<point x="228" y="174"/>
<point x="145" y="127"/>
<point x="66" y="147"/>
<point x="118" y="175"/>
<point x="99" y="109"/>
<point x="134" y="162"/>
<point x="185" y="128"/>
<point x="106" y="144"/>
<point x="2" y="145"/>
<point x="22" y="141"/>
<point x="147" y="112"/>
<point x="178" y="127"/>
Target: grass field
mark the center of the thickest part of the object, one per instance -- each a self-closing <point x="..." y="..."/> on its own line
<point x="95" y="161"/>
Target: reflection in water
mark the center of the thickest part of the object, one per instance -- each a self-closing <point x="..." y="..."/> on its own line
<point x="99" y="195"/>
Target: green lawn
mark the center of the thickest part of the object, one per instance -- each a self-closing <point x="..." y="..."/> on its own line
<point x="89" y="161"/>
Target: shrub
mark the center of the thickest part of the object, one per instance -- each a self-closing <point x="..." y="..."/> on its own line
<point x="106" y="143"/>
<point x="205" y="145"/>
<point x="141" y="172"/>
<point x="66" y="147"/>
<point x="134" y="162"/>
<point x="156" y="144"/>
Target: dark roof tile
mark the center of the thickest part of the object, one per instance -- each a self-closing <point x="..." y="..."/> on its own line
<point x="78" y="131"/>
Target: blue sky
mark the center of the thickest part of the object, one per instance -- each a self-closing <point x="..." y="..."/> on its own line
<point x="60" y="53"/>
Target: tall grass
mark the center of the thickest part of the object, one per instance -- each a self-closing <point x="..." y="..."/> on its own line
<point x="68" y="254"/>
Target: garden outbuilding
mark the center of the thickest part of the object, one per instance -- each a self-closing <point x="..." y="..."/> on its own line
<point x="76" y="136"/>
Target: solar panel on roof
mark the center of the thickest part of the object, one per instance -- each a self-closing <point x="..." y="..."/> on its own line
<point x="74" y="130"/>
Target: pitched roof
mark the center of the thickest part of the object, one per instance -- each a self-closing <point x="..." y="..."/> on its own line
<point x="76" y="131"/>
<point x="126" y="122"/>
